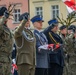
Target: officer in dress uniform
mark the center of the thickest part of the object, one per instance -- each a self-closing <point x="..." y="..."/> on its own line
<point x="41" y="40"/>
<point x="25" y="42"/>
<point x="56" y="57"/>
<point x="6" y="43"/>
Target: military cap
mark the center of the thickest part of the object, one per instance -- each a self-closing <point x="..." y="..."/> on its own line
<point x="71" y="27"/>
<point x="37" y="18"/>
<point x="2" y="10"/>
<point x="62" y="27"/>
<point x="25" y="15"/>
<point x="52" y="23"/>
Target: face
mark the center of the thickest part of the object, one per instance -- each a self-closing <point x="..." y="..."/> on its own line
<point x="5" y="20"/>
<point x="27" y="23"/>
<point x="64" y="31"/>
<point x="38" y="25"/>
<point x="69" y="31"/>
<point x="55" y="29"/>
<point x="0" y="16"/>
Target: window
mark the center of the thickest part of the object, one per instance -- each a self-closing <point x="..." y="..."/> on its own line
<point x="16" y="14"/>
<point x="39" y="11"/>
<point x="55" y="11"/>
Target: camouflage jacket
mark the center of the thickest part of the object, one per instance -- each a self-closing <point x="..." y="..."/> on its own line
<point x="6" y="41"/>
<point x="69" y="42"/>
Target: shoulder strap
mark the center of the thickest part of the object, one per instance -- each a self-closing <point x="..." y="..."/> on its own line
<point x="52" y="38"/>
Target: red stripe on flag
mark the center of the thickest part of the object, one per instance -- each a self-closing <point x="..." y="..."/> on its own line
<point x="68" y="3"/>
<point x="71" y="4"/>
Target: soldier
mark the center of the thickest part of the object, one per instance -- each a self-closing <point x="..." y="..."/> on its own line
<point x="25" y="42"/>
<point x="71" y="49"/>
<point x="6" y="43"/>
<point x="56" y="57"/>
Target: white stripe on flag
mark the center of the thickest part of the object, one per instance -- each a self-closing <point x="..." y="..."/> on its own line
<point x="69" y="9"/>
<point x="70" y="5"/>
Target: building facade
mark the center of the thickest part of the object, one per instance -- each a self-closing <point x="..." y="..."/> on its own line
<point x="21" y="6"/>
<point x="48" y="9"/>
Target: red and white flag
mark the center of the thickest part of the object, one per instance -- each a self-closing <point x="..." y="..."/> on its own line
<point x="70" y="4"/>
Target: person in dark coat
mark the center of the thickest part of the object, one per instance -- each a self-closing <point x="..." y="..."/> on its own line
<point x="56" y="57"/>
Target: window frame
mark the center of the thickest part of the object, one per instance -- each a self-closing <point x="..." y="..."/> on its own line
<point x="40" y="11"/>
<point x="56" y="10"/>
<point x="17" y="13"/>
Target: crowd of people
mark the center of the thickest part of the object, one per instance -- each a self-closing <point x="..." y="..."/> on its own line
<point x="37" y="52"/>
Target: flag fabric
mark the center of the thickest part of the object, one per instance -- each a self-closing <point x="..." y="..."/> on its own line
<point x="69" y="9"/>
<point x="70" y="5"/>
<point x="49" y="47"/>
<point x="14" y="67"/>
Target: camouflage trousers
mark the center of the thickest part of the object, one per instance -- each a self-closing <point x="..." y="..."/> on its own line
<point x="72" y="64"/>
<point x="5" y="69"/>
<point x="70" y="68"/>
<point x="65" y="70"/>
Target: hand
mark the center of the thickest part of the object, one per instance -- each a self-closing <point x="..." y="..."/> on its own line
<point x="57" y="46"/>
<point x="6" y="14"/>
<point x="24" y="16"/>
<point x="50" y="46"/>
<point x="44" y="47"/>
<point x="53" y="46"/>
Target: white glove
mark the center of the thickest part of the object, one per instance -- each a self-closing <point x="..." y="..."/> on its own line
<point x="45" y="47"/>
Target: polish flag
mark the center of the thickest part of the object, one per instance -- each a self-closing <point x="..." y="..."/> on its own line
<point x="70" y="4"/>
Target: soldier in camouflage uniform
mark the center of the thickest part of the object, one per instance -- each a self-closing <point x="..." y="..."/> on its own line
<point x="6" y="43"/>
<point x="71" y="50"/>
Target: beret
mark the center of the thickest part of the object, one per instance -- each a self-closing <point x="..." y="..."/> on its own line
<point x="2" y="10"/>
<point x="71" y="27"/>
<point x="62" y="27"/>
<point x="23" y="15"/>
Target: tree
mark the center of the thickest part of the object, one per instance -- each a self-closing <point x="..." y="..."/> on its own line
<point x="69" y="20"/>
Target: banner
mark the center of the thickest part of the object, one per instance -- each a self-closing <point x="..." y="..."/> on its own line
<point x="70" y="5"/>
